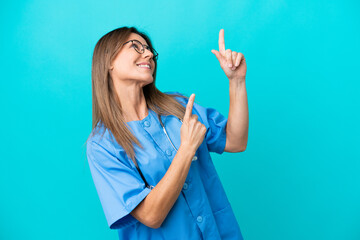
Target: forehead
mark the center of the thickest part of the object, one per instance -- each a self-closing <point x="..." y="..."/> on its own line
<point x="133" y="36"/>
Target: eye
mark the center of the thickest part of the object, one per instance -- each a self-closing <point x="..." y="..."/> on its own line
<point x="134" y="45"/>
<point x="150" y="49"/>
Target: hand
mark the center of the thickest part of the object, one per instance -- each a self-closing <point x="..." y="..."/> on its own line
<point x="233" y="63"/>
<point x="192" y="132"/>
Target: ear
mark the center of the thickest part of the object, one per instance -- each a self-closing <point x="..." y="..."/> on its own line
<point x="111" y="67"/>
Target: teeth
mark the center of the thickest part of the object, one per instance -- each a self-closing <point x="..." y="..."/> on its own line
<point x="144" y="66"/>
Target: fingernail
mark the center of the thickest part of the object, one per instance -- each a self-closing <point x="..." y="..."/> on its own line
<point x="229" y="65"/>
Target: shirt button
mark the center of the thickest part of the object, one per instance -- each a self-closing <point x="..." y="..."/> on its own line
<point x="194" y="158"/>
<point x="146" y="123"/>
<point x="168" y="152"/>
<point x="185" y="186"/>
<point x="199" y="219"/>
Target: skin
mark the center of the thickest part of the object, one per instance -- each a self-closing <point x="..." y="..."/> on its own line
<point x="129" y="80"/>
<point x="234" y="66"/>
<point x="153" y="210"/>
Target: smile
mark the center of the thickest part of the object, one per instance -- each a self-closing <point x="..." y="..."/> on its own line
<point x="144" y="66"/>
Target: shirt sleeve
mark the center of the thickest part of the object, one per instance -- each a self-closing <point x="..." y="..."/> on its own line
<point x="119" y="186"/>
<point x="214" y="122"/>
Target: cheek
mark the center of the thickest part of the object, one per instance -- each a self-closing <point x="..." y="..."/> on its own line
<point x="124" y="68"/>
<point x="123" y="62"/>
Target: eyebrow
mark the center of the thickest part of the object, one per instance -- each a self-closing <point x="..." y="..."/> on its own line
<point x="141" y="42"/>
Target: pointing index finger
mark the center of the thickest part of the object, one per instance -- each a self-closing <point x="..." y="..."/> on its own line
<point x="189" y="107"/>
<point x="221" y="42"/>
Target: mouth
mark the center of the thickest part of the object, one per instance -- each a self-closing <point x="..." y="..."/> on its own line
<point x="144" y="65"/>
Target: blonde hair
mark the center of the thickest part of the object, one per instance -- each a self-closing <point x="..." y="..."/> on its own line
<point x="106" y="106"/>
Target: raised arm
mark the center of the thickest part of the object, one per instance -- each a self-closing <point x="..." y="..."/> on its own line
<point x="234" y="66"/>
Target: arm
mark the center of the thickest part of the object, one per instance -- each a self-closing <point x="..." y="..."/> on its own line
<point x="238" y="120"/>
<point x="234" y="66"/>
<point x="153" y="210"/>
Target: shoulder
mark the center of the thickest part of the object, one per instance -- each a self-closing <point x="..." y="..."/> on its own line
<point x="100" y="135"/>
<point x="180" y="97"/>
<point x="183" y="99"/>
<point x="102" y="140"/>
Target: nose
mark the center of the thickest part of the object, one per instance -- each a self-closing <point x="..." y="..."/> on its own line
<point x="147" y="52"/>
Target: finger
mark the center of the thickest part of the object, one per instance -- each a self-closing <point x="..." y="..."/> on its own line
<point x="189" y="107"/>
<point x="238" y="59"/>
<point x="233" y="59"/>
<point x="228" y="58"/>
<point x="217" y="54"/>
<point x="221" y="42"/>
<point x="194" y="117"/>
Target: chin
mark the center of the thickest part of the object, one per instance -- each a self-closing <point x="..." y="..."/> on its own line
<point x="151" y="80"/>
<point x="147" y="81"/>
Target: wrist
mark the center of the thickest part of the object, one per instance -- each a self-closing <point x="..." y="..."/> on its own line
<point x="187" y="149"/>
<point x="237" y="80"/>
<point x="237" y="84"/>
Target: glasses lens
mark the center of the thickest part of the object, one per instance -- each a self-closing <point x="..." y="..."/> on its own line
<point x="140" y="48"/>
<point x="155" y="54"/>
<point x="137" y="46"/>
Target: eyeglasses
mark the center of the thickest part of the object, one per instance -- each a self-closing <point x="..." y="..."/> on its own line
<point x="140" y="48"/>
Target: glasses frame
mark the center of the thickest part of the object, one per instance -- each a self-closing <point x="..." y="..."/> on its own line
<point x="152" y="50"/>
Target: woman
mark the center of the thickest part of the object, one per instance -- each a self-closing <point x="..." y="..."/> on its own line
<point x="149" y="151"/>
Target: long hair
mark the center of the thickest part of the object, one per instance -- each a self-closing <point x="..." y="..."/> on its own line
<point x="106" y="105"/>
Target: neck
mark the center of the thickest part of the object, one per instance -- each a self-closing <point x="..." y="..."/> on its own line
<point x="132" y="100"/>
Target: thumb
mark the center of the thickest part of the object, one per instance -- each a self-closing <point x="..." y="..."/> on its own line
<point x="217" y="54"/>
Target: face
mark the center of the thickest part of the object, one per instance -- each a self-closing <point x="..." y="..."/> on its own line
<point x="127" y="64"/>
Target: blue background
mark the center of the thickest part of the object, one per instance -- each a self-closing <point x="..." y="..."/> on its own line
<point x="299" y="177"/>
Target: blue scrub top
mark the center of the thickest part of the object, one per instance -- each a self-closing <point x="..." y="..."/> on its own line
<point x="202" y="210"/>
